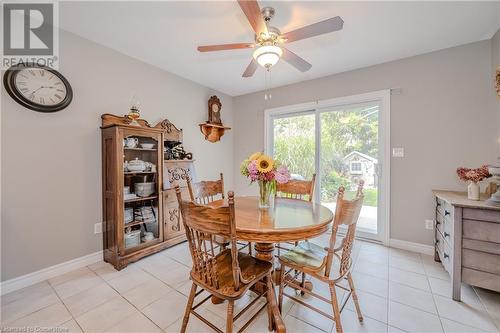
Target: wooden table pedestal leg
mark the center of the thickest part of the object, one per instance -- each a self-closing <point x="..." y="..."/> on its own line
<point x="264" y="251"/>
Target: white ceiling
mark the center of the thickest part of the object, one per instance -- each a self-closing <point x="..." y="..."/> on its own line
<point x="166" y="34"/>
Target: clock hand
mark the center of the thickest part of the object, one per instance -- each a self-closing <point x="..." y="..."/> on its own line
<point x="36" y="90"/>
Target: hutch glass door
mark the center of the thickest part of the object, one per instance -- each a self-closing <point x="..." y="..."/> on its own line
<point x="141" y="189"/>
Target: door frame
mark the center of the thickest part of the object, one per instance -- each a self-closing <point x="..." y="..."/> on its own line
<point x="383" y="97"/>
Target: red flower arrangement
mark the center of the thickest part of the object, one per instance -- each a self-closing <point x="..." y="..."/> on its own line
<point x="473" y="175"/>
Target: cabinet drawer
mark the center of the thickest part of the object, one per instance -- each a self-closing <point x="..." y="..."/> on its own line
<point x="440" y="205"/>
<point x="482" y="246"/>
<point x="481" y="279"/>
<point x="444" y="208"/>
<point x="481" y="215"/>
<point x="444" y="252"/>
<point x="445" y="227"/>
<point x="481" y="261"/>
<point x="177" y="172"/>
<point x="485" y="231"/>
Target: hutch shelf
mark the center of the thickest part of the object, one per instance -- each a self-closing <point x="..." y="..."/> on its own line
<point x="140" y="211"/>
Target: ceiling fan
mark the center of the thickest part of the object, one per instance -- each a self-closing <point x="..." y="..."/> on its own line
<point x="269" y="40"/>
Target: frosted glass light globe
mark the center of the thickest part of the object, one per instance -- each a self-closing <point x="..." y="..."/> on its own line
<point x="268" y="55"/>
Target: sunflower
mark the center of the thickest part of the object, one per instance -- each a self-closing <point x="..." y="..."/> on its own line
<point x="255" y="156"/>
<point x="265" y="164"/>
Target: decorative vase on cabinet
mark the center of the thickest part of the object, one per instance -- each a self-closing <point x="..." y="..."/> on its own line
<point x="473" y="191"/>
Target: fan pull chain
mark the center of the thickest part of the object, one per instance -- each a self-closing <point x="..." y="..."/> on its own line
<point x="267" y="95"/>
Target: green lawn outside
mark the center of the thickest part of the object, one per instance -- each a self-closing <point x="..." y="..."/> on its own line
<point x="370" y="196"/>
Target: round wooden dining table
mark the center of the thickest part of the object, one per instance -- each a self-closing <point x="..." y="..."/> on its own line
<point x="284" y="221"/>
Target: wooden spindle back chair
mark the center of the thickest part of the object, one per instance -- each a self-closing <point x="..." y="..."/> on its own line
<point x="317" y="261"/>
<point x="205" y="192"/>
<point x="297" y="189"/>
<point x="227" y="275"/>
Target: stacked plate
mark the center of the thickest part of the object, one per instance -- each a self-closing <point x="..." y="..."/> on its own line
<point x="145" y="214"/>
<point x="128" y="215"/>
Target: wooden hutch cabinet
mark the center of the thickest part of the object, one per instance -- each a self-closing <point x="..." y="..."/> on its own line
<point x="140" y="211"/>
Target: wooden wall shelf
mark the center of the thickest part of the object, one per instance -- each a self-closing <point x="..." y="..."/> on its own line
<point x="213" y="132"/>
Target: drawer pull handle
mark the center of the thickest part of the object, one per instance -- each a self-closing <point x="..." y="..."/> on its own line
<point x="446" y="234"/>
<point x="436" y="242"/>
<point x="446" y="213"/>
<point x="445" y="255"/>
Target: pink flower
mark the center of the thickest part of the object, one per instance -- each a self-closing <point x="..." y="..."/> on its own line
<point x="473" y="175"/>
<point x="252" y="167"/>
<point x="282" y="175"/>
<point x="268" y="176"/>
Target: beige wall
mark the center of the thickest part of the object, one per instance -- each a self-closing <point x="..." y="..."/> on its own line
<point x="51" y="163"/>
<point x="495" y="63"/>
<point x="444" y="118"/>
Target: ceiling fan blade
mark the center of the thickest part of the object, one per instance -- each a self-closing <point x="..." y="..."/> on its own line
<point x="295" y="60"/>
<point x="319" y="28"/>
<point x="252" y="12"/>
<point x="221" y="47"/>
<point x="251" y="68"/>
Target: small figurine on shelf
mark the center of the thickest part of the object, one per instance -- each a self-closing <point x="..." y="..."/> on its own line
<point x="178" y="153"/>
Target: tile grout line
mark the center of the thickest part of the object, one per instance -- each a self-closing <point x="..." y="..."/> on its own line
<point x="435" y="305"/>
<point x="28" y="314"/>
<point x="172" y="290"/>
<point x="65" y="306"/>
<point x="123" y="297"/>
<point x="486" y="309"/>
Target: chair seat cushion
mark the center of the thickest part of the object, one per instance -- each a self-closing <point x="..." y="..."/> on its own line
<point x="305" y="254"/>
<point x="251" y="269"/>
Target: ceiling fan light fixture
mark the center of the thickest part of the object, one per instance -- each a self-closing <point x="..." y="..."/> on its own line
<point x="268" y="55"/>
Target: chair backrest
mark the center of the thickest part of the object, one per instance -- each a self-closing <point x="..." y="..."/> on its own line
<point x="346" y="213"/>
<point x="202" y="224"/>
<point x="297" y="189"/>
<point x="205" y="192"/>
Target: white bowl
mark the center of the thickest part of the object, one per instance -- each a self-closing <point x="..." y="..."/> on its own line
<point x="147" y="145"/>
<point x="144" y="189"/>
<point x="136" y="167"/>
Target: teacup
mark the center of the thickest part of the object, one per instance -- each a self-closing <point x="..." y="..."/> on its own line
<point x="131" y="142"/>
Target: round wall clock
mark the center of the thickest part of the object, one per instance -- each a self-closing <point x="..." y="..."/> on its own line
<point x="38" y="88"/>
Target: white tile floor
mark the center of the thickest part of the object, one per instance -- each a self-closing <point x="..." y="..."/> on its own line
<point x="399" y="291"/>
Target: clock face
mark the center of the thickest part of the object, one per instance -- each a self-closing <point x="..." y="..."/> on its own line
<point x="38" y="88"/>
<point x="215" y="108"/>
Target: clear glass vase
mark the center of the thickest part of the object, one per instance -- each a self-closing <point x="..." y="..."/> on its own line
<point x="265" y="190"/>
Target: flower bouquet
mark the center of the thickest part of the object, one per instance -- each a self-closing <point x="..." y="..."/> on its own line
<point x="267" y="172"/>
<point x="474" y="176"/>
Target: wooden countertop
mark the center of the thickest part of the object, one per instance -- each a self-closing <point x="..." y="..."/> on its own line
<point x="459" y="199"/>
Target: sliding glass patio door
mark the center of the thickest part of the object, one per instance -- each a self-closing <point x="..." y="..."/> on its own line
<point x="342" y="141"/>
<point x="349" y="153"/>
